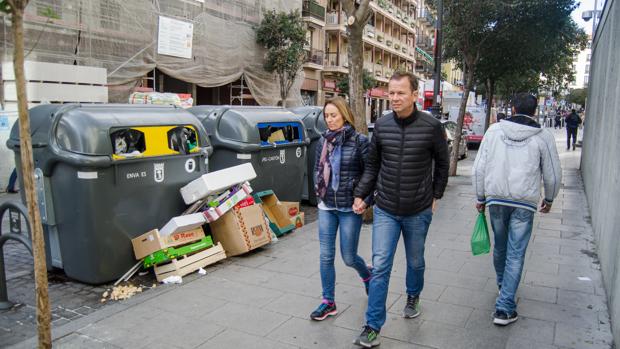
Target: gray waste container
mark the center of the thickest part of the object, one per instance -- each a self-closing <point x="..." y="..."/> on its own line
<point x="312" y="117"/>
<point x="94" y="195"/>
<point x="242" y="134"/>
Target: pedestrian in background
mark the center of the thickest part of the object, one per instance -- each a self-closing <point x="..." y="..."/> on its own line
<point x="400" y="170"/>
<point x="341" y="156"/>
<point x="513" y="158"/>
<point x="572" y="125"/>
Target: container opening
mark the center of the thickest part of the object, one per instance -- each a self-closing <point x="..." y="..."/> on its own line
<point x="128" y="141"/>
<point x="280" y="133"/>
<point x="182" y="139"/>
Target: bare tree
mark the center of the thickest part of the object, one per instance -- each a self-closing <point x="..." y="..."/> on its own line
<point x="358" y="13"/>
<point x="16" y="9"/>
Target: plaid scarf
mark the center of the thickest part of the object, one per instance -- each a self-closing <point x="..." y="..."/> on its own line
<point x="329" y="162"/>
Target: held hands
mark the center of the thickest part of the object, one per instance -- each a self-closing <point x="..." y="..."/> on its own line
<point x="480" y="207"/>
<point x="359" y="206"/>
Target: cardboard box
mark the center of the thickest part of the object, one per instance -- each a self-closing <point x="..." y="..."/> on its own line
<point x="241" y="230"/>
<point x="153" y="241"/>
<point x="191" y="263"/>
<point x="292" y="208"/>
<point x="298" y="220"/>
<point x="214" y="213"/>
<point x="217" y="182"/>
<point x="279" y="219"/>
<point x="183" y="223"/>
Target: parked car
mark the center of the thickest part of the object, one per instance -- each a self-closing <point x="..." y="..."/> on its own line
<point x="450" y="128"/>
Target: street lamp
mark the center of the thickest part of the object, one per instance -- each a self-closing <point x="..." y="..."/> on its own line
<point x="436" y="108"/>
<point x="594" y="15"/>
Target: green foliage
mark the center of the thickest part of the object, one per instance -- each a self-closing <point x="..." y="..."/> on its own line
<point x="49" y="13"/>
<point x="5" y="7"/>
<point x="284" y="36"/>
<point x="577" y="96"/>
<point x="368" y="82"/>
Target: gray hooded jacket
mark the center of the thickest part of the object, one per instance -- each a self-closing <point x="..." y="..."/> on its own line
<point x="512" y="161"/>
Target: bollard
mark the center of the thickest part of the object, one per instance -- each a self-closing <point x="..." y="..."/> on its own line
<point x="16" y="211"/>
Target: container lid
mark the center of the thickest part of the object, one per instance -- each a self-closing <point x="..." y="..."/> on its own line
<point x="85" y="129"/>
<point x="312" y="117"/>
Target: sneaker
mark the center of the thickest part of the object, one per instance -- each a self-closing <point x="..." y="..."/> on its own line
<point x="412" y="309"/>
<point x="368" y="338"/>
<point x="324" y="310"/>
<point x="573" y="147"/>
<point x="502" y="318"/>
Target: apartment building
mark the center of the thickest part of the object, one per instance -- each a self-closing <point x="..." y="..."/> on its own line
<point x="581" y="67"/>
<point x="390" y="43"/>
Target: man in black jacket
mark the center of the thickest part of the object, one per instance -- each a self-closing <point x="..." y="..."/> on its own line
<point x="400" y="171"/>
<point x="572" y="124"/>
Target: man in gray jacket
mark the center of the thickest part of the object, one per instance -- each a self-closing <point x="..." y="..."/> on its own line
<point x="515" y="155"/>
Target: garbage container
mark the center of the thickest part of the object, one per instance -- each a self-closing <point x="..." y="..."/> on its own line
<point x="106" y="174"/>
<point x="314" y="122"/>
<point x="273" y="139"/>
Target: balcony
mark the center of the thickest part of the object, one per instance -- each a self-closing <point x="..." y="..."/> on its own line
<point x="336" y="62"/>
<point x="313" y="9"/>
<point x="427" y="17"/>
<point x="314" y="59"/>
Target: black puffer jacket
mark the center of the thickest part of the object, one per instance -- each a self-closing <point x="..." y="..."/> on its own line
<point x="400" y="163"/>
<point x="353" y="160"/>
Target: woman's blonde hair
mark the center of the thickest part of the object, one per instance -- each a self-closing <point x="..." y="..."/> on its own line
<point x="343" y="108"/>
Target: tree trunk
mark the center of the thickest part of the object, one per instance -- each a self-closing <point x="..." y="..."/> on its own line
<point x="467" y="86"/>
<point x="38" y="244"/>
<point x="490" y="91"/>
<point x="356" y="73"/>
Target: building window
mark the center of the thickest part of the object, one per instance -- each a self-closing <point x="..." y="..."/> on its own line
<point x="589" y="57"/>
<point x="110" y="14"/>
<point x="585" y="80"/>
<point x="49" y="8"/>
<point x="587" y="69"/>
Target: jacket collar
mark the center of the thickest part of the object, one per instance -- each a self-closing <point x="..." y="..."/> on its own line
<point x="524" y="120"/>
<point x="408" y="120"/>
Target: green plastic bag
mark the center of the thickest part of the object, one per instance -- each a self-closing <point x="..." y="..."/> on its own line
<point x="480" y="243"/>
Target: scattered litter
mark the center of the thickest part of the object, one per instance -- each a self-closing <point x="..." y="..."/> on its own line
<point x="202" y="271"/>
<point x="120" y="293"/>
<point x="142" y="273"/>
<point x="173" y="279"/>
<point x="584" y="278"/>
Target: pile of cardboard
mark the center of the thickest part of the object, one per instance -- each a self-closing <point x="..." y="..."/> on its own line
<point x="238" y="222"/>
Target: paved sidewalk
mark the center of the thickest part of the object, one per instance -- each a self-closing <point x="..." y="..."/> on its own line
<point x="263" y="299"/>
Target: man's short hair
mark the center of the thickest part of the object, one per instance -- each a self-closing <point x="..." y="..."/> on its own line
<point x="573" y="111"/>
<point x="525" y="103"/>
<point x="413" y="80"/>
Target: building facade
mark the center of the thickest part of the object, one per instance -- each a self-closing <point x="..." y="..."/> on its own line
<point x="581" y="67"/>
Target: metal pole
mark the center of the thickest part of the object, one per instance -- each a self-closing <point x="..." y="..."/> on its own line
<point x="438" y="48"/>
<point x="593" y="22"/>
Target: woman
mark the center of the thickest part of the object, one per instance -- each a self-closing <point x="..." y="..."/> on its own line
<point x="341" y="155"/>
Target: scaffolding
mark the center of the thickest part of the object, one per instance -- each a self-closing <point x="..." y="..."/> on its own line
<point x="121" y="36"/>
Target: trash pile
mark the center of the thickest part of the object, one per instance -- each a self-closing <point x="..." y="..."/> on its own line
<point x="223" y="219"/>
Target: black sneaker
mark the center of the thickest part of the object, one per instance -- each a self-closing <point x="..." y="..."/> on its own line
<point x="412" y="308"/>
<point x="502" y="318"/>
<point x="323" y="311"/>
<point x="368" y="338"/>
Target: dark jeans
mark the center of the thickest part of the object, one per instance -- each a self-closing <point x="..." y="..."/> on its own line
<point x="571" y="132"/>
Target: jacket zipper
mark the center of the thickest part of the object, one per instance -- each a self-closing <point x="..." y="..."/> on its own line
<point x="400" y="167"/>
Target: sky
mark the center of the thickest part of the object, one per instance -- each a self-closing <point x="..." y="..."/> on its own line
<point x="586" y="5"/>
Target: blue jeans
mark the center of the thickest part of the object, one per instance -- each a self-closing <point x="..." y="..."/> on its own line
<point x="350" y="225"/>
<point x="512" y="228"/>
<point x="385" y="235"/>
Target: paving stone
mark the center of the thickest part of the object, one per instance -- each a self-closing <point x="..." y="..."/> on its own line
<point x="537" y="293"/>
<point x="469" y="298"/>
<point x="246" y="318"/>
<point x="78" y="341"/>
<point x="559" y="313"/>
<point x="299" y="306"/>
<point x="520" y="343"/>
<point x="559" y="281"/>
<point x="547" y="232"/>
<point x="188" y="302"/>
<point x="540" y="331"/>
<point x="142" y="327"/>
<point x="235" y="292"/>
<point x="439" y="335"/>
<point x="435" y="311"/>
<point x="582" y="338"/>
<point x="582" y="300"/>
<point x="236" y="339"/>
<point x="313" y="334"/>
<point x="455" y="279"/>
